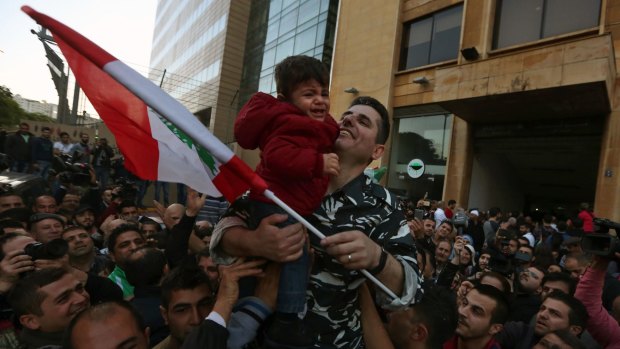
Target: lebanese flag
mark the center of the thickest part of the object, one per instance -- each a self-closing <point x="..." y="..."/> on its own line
<point x="159" y="138"/>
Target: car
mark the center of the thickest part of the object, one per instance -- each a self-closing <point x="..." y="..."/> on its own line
<point x="28" y="186"/>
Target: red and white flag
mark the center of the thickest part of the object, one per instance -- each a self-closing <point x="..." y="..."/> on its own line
<point x="159" y="138"/>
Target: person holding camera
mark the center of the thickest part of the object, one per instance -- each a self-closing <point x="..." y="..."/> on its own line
<point x="102" y="161"/>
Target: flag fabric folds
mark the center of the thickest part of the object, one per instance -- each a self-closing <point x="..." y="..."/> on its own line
<point x="159" y="138"/>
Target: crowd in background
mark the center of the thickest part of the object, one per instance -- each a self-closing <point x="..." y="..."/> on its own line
<point x="87" y="254"/>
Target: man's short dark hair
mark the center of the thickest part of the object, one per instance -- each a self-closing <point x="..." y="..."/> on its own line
<point x="145" y="267"/>
<point x="101" y="312"/>
<point x="384" y="125"/>
<point x="577" y="313"/>
<point x="437" y="310"/>
<point x="561" y="277"/>
<point x="25" y="297"/>
<point x="4" y="239"/>
<point x="118" y="231"/>
<point x="501" y="311"/>
<point x="494" y="211"/>
<point x="499" y="277"/>
<point x="64" y="134"/>
<point x="37" y="217"/>
<point x="9" y="223"/>
<point x="72" y="228"/>
<point x="125" y="203"/>
<point x="446" y="221"/>
<point x="451" y="202"/>
<point x="294" y="70"/>
<point x="184" y="277"/>
<point x="45" y="128"/>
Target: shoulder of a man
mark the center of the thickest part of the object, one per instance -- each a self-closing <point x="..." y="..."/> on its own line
<point x="382" y="193"/>
<point x="513" y="333"/>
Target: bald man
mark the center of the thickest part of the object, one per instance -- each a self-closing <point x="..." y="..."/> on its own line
<point x="173" y="215"/>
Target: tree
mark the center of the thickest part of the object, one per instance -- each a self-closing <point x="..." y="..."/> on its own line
<point x="10" y="112"/>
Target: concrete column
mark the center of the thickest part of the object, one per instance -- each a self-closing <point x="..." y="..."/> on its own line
<point x="460" y="160"/>
<point x="607" y="199"/>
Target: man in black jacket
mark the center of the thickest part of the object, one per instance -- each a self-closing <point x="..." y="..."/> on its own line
<point x="18" y="147"/>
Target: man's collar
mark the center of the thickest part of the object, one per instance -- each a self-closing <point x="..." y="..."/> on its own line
<point x="355" y="188"/>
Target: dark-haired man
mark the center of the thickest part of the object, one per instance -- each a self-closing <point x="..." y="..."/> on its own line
<point x="559" y="311"/>
<point x="18" y="147"/>
<point x="354" y="241"/>
<point x="45" y="227"/>
<point x="145" y="269"/>
<point x="44" y="302"/>
<point x="123" y="241"/>
<point x="482" y="314"/>
<point x="108" y="325"/>
<point x="9" y="200"/>
<point x="45" y="204"/>
<point x="427" y="324"/>
<point x="42" y="152"/>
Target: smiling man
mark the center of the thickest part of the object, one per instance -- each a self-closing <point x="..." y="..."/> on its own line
<point x="44" y="303"/>
<point x="364" y="226"/>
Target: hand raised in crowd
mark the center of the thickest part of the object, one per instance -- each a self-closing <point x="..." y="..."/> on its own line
<point x="13" y="264"/>
<point x="417" y="228"/>
<point x="354" y="249"/>
<point x="159" y="208"/>
<point x="331" y="165"/>
<point x="228" y="291"/>
<point x="459" y="245"/>
<point x="463" y="289"/>
<point x="194" y="202"/>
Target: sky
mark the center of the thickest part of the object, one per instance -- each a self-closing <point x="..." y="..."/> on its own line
<point x="124" y="28"/>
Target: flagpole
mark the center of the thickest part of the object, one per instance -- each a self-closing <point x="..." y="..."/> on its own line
<point x="164" y="104"/>
<point x="270" y="195"/>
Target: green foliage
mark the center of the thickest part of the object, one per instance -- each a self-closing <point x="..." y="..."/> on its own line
<point x="11" y="113"/>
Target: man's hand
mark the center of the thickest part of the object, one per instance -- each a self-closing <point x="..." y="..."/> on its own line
<point x="267" y="286"/>
<point x="417" y="228"/>
<point x="279" y="244"/>
<point x="13" y="264"/>
<point x="159" y="208"/>
<point x="194" y="202"/>
<point x="331" y="166"/>
<point x="228" y="291"/>
<point x="353" y="249"/>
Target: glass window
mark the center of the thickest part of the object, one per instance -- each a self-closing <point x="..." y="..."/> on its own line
<point x="288" y="22"/>
<point x="305" y="40"/>
<point x="284" y="50"/>
<point x="308" y="10"/>
<point x="426" y="138"/>
<point x="565" y="16"/>
<point x="272" y="31"/>
<point x="431" y="39"/>
<point x="520" y="21"/>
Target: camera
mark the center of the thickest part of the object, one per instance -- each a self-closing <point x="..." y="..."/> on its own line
<point x="128" y="190"/>
<point x="460" y="221"/>
<point x="601" y="243"/>
<point x="69" y="171"/>
<point x="54" y="249"/>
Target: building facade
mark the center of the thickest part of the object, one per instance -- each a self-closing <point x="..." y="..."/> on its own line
<point x="197" y="57"/>
<point x="495" y="102"/>
<point x="41" y="107"/>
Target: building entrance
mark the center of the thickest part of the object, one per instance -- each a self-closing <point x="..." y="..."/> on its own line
<point x="536" y="165"/>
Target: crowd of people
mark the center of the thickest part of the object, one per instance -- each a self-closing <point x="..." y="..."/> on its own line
<point x="85" y="266"/>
